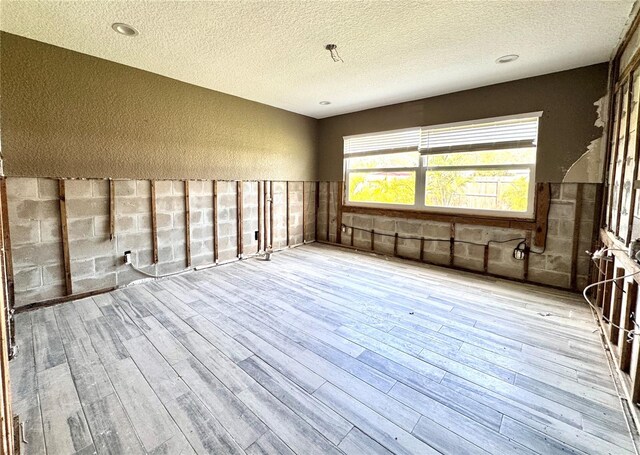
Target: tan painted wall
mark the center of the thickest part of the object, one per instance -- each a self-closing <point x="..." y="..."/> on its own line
<point x="566" y="128"/>
<point x="66" y="114"/>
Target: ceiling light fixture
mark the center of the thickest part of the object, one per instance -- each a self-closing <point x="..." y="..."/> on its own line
<point x="507" y="58"/>
<point x="124" y="29"/>
<point x="333" y="50"/>
<point x="325" y="103"/>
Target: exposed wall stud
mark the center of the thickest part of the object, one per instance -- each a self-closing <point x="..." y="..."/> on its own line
<point x="614" y="148"/>
<point x="112" y="209"/>
<point x="339" y="213"/>
<point x="527" y="257"/>
<point x="215" y="221"/>
<point x="577" y="219"/>
<point x="543" y="204"/>
<point x="260" y="220"/>
<point x="7" y="243"/>
<point x="616" y="306"/>
<point x="452" y="243"/>
<point x="187" y="223"/>
<point x="606" y="299"/>
<point x="351" y="240"/>
<point x="373" y="234"/>
<point x="327" y="236"/>
<point x="304" y="215"/>
<point x="395" y="244"/>
<point x="485" y="265"/>
<point x="266" y="214"/>
<point x="626" y="322"/>
<point x="271" y="215"/>
<point x="421" y="249"/>
<point x="317" y="208"/>
<point x="64" y="233"/>
<point x="600" y="289"/>
<point x="623" y="166"/>
<point x="286" y="189"/>
<point x="154" y="222"/>
<point x="239" y="221"/>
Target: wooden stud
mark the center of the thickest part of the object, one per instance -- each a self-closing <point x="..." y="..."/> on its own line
<point x="602" y="263"/>
<point x="635" y="384"/>
<point x="616" y="307"/>
<point x="624" y="156"/>
<point x="57" y="300"/>
<point x="154" y="221"/>
<point x="327" y="237"/>
<point x="351" y="240"/>
<point x="606" y="298"/>
<point x="527" y="257"/>
<point x="317" y="207"/>
<point x="373" y="240"/>
<point x="339" y="212"/>
<point x="286" y="189"/>
<point x="64" y="233"/>
<point x="577" y="219"/>
<point x="271" y="215"/>
<point x="485" y="265"/>
<point x="187" y="223"/>
<point x="452" y="243"/>
<point x="543" y="204"/>
<point x="112" y="209"/>
<point x="7" y="244"/>
<point x="395" y="245"/>
<point x="304" y="214"/>
<point x="626" y="322"/>
<point x="260" y="220"/>
<point x="421" y="249"/>
<point x="215" y="221"/>
<point x="266" y="214"/>
<point x="239" y="220"/>
<point x="614" y="150"/>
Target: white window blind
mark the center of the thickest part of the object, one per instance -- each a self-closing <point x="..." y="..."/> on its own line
<point x="406" y="140"/>
<point x="516" y="133"/>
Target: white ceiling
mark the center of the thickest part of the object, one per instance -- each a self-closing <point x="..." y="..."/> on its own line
<point x="273" y="51"/>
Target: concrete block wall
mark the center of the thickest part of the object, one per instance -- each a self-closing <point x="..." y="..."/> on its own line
<point x="34" y="214"/>
<point x="310" y="210"/>
<point x="96" y="259"/>
<point x="552" y="267"/>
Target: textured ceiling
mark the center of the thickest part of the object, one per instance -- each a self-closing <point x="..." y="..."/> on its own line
<point x="273" y="51"/>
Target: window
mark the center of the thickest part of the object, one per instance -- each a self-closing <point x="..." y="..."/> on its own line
<point x="483" y="167"/>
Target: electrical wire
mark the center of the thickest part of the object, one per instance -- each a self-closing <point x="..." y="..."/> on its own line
<point x="630" y="333"/>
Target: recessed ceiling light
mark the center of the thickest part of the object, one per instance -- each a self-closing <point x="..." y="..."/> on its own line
<point x="325" y="103"/>
<point x="507" y="58"/>
<point x="124" y="29"/>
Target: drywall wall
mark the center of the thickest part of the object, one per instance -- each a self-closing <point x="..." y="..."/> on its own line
<point x="66" y="114"/>
<point x="552" y="267"/>
<point x="567" y="127"/>
<point x="96" y="259"/>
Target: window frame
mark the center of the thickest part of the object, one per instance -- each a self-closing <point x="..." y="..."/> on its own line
<point x="421" y="170"/>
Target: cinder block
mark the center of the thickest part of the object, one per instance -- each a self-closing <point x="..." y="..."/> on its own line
<point x="82" y="208"/>
<point x="28" y="278"/>
<point x="164" y="220"/>
<point x="36" y="254"/>
<point x="25" y="232"/>
<point x="78" y="189"/>
<point x="556" y="190"/>
<point x="37" y="210"/>
<point x="101" y="226"/>
<point x="124" y="188"/>
<point x="80" y="228"/>
<point x="178" y="188"/>
<point x="95" y="283"/>
<point x="133" y="241"/>
<point x="133" y="205"/>
<point x="90" y="248"/>
<point x="143" y="188"/>
<point x="126" y="224"/>
<point x="561" y="210"/>
<point x="48" y="189"/>
<point x="549" y="277"/>
<point x="569" y="191"/>
<point x="39" y="294"/>
<point x="381" y="224"/>
<point x="100" y="188"/>
<point x="163" y="188"/>
<point x="169" y="204"/>
<point x="82" y="268"/>
<point x="22" y="188"/>
<point x="53" y="274"/>
<point x="558" y="263"/>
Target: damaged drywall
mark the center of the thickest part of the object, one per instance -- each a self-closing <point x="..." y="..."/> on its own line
<point x="589" y="168"/>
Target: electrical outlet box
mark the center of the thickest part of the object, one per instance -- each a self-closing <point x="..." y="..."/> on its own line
<point x="255" y="237"/>
<point x="127" y="257"/>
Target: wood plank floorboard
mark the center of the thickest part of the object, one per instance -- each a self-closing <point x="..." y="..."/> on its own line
<point x="320" y="350"/>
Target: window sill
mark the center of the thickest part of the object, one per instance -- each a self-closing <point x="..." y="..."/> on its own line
<point x="504" y="222"/>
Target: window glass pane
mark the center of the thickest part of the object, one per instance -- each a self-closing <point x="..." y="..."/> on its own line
<point x="506" y="190"/>
<point x="488" y="157"/>
<point x="383" y="187"/>
<point x="407" y="159"/>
